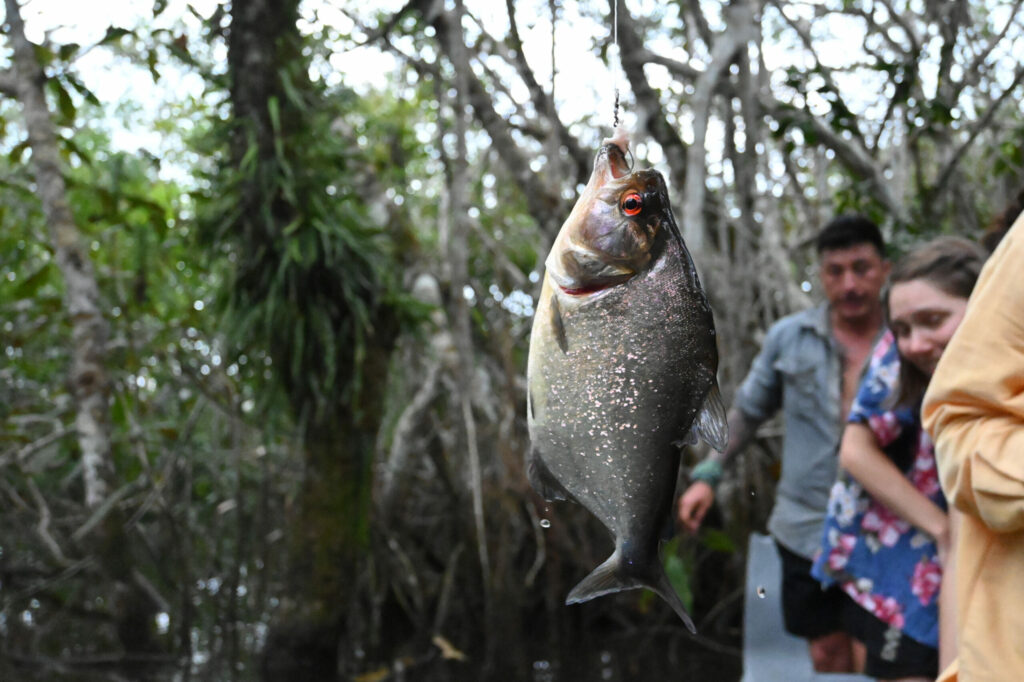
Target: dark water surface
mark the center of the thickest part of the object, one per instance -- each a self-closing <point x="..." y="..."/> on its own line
<point x="663" y="654"/>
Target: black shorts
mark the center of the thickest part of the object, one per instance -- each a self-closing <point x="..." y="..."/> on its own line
<point x="808" y="609"/>
<point x="890" y="653"/>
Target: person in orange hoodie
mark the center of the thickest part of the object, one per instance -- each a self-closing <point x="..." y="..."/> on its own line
<point x="974" y="411"/>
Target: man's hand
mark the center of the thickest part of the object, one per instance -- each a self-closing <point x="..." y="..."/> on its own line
<point x="694" y="504"/>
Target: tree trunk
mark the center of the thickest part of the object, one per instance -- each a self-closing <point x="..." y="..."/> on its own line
<point x="89" y="381"/>
<point x="132" y="609"/>
<point x="458" y="259"/>
<point x="312" y="635"/>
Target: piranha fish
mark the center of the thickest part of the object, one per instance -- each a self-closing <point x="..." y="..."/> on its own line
<point x="622" y="369"/>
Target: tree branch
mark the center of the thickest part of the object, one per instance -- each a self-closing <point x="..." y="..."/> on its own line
<point x="972" y="72"/>
<point x="896" y="16"/>
<point x="43" y="527"/>
<point x="979" y="125"/>
<point x="854" y="157"/>
<point x="543" y="102"/>
<point x="8" y="83"/>
<point x="823" y="71"/>
<point x="657" y="123"/>
<point x="458" y="257"/>
<point x="30" y="449"/>
<point x="739" y="30"/>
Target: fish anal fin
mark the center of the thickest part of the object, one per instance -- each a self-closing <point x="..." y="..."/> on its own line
<point x="610" y="577"/>
<point x="543" y="481"/>
<point x="711" y="424"/>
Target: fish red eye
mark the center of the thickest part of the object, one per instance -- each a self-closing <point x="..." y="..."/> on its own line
<point x="632" y="204"/>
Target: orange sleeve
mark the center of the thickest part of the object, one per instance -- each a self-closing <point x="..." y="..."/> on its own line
<point x="974" y="407"/>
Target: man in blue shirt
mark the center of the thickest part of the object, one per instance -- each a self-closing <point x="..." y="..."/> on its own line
<point x="808" y="367"/>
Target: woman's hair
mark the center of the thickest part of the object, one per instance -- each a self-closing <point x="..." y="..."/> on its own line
<point x="950" y="264"/>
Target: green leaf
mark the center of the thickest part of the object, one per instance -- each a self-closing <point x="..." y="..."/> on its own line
<point x="114" y="33"/>
<point x="67" y="52"/>
<point x="18" y="152"/>
<point x="717" y="540"/>
<point x="29" y="286"/>
<point x="274" y="109"/>
<point x="248" y="162"/>
<point x="179" y="48"/>
<point x="291" y="93"/>
<point x="65" y="105"/>
<point x="70" y="146"/>
<point x="679" y="572"/>
<point x="151" y="61"/>
<point x="44" y="55"/>
<point x="80" y="88"/>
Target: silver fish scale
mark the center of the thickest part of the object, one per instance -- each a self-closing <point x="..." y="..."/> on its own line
<point x="606" y="412"/>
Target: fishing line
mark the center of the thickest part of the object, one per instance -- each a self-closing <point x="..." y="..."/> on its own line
<point x="615" y="76"/>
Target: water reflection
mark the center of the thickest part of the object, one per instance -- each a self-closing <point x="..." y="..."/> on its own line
<point x="542" y="672"/>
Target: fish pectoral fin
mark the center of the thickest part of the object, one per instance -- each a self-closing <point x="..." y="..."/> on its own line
<point x="557" y="325"/>
<point x="690" y="438"/>
<point x="611" y="577"/>
<point x="711" y="424"/>
<point x="543" y="481"/>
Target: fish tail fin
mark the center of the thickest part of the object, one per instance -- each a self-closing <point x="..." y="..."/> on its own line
<point x="605" y="579"/>
<point x="664" y="589"/>
<point x="610" y="577"/>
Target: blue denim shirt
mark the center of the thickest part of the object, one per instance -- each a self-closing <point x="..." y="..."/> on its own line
<point x="799" y="369"/>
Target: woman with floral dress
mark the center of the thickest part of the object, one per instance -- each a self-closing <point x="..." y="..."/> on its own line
<point x="887" y="531"/>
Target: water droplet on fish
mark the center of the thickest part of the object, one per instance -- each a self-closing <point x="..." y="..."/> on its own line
<point x="544" y="523"/>
<point x="761" y="592"/>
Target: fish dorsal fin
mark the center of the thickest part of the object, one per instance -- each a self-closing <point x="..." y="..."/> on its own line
<point x="711" y="424"/>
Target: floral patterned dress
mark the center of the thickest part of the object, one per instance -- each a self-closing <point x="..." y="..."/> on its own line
<point x="885" y="564"/>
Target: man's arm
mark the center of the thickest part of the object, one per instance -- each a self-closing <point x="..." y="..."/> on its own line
<point x="760" y="395"/>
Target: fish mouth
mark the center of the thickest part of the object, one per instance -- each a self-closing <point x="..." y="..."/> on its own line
<point x="587" y="290"/>
<point x="598" y="285"/>
<point x="614" y="160"/>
